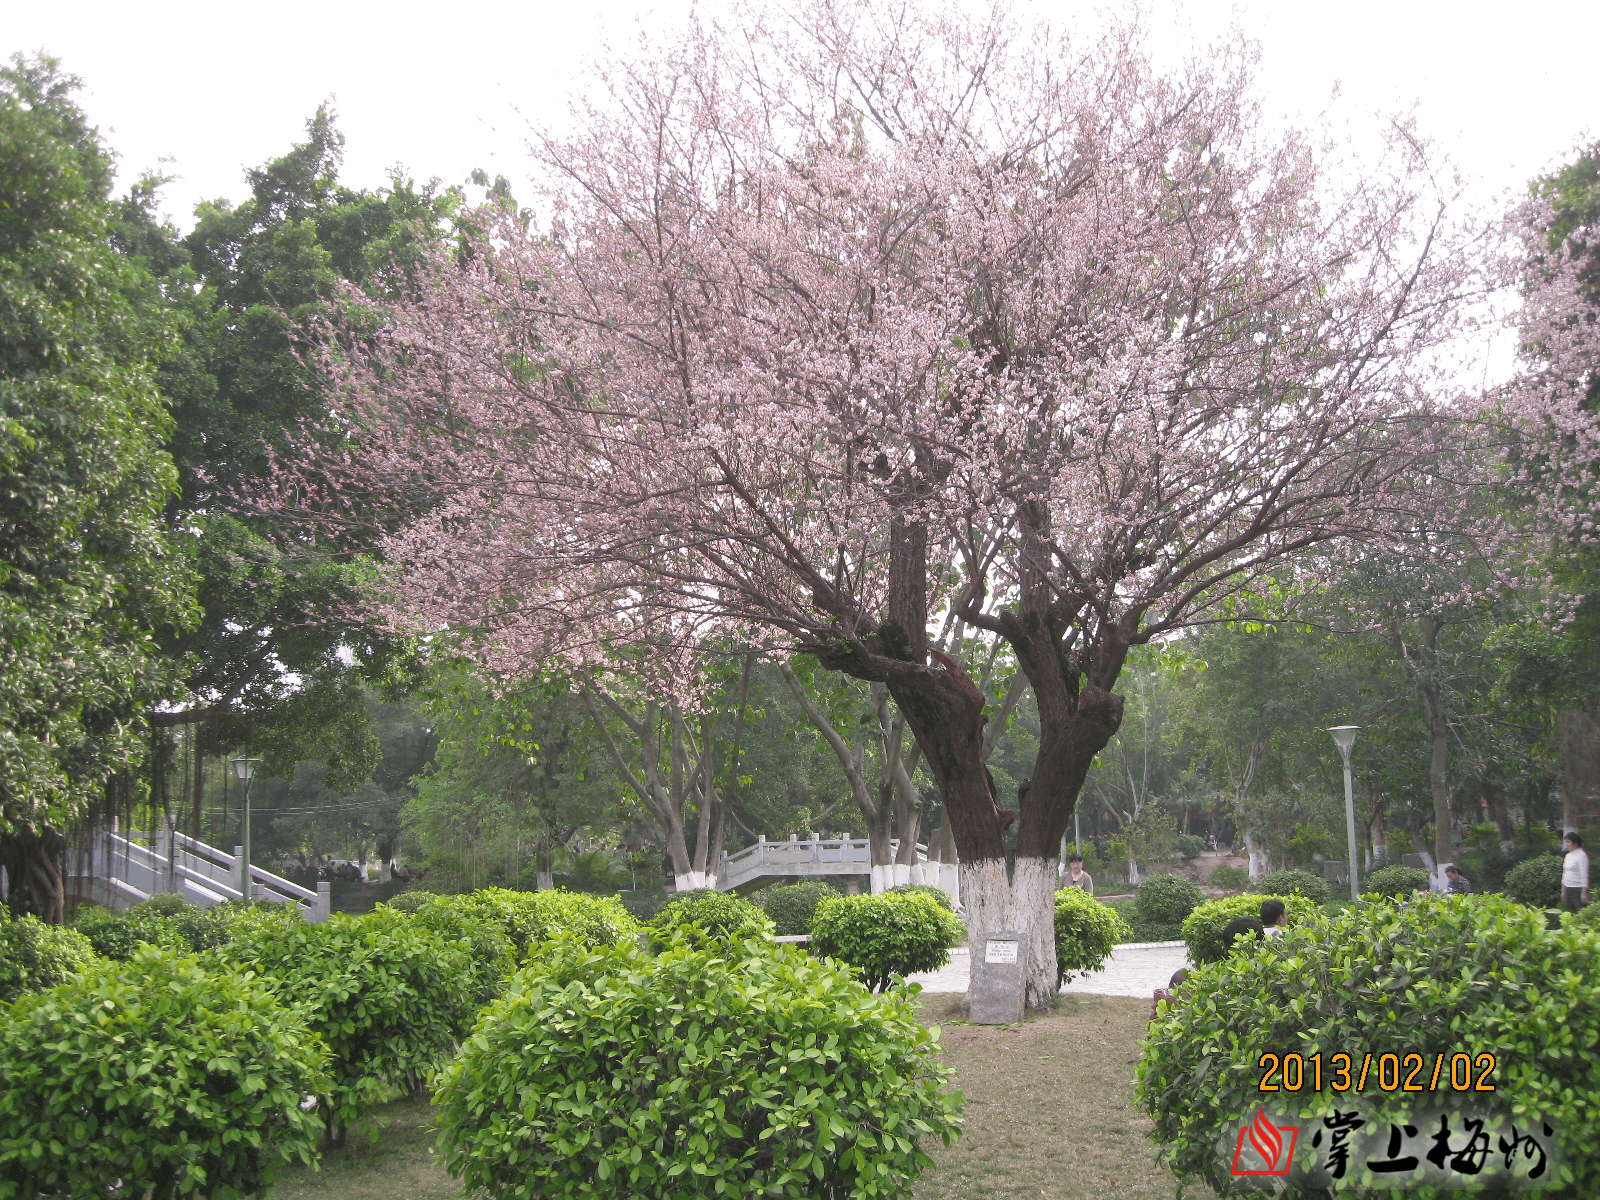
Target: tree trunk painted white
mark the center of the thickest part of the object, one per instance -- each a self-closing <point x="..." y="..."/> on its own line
<point x="917" y="873"/>
<point x="386" y="870"/>
<point x="1024" y="905"/>
<point x="1133" y="869"/>
<point x="689" y="881"/>
<point x="950" y="882"/>
<point x="878" y="875"/>
<point x="901" y="873"/>
<point x="1260" y="860"/>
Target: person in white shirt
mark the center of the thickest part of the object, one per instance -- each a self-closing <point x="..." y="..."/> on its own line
<point x="1575" y="874"/>
<point x="1274" y="917"/>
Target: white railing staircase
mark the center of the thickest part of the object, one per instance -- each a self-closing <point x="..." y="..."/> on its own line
<point x="116" y="871"/>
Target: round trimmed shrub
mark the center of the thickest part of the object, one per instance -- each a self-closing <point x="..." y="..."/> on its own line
<point x="384" y="992"/>
<point x="165" y="920"/>
<point x="529" y="918"/>
<point x="1191" y="846"/>
<point x="611" y="1074"/>
<point x="938" y="895"/>
<point x="1232" y="878"/>
<point x="1536" y="882"/>
<point x="704" y="916"/>
<point x="410" y="901"/>
<point x="1394" y="882"/>
<point x="35" y="956"/>
<point x="457" y="921"/>
<point x="885" y="935"/>
<point x="792" y="906"/>
<point x="1202" y="929"/>
<point x="1294" y="883"/>
<point x="154" y="1078"/>
<point x="1161" y="904"/>
<point x="1436" y="974"/>
<point x="1087" y="931"/>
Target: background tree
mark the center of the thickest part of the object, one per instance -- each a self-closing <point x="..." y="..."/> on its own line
<point x="88" y="579"/>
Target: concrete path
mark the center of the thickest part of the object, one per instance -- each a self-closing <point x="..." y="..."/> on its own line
<point x="1136" y="969"/>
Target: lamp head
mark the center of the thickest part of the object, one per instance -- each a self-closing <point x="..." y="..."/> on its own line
<point x="244" y="768"/>
<point x="1345" y="736"/>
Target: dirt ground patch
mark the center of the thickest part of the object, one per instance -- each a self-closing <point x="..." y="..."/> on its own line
<point x="1049" y="1109"/>
<point x="1049" y="1114"/>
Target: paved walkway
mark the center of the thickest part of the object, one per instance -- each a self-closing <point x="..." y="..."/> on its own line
<point x="1137" y="969"/>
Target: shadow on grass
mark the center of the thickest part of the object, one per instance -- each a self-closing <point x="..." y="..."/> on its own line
<point x="399" y="1164"/>
<point x="1049" y="1106"/>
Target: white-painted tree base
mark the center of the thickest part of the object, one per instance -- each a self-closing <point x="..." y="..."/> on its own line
<point x="917" y="873"/>
<point x="949" y="882"/>
<point x="1024" y="905"/>
<point x="879" y="877"/>
<point x="689" y="881"/>
<point x="901" y="873"/>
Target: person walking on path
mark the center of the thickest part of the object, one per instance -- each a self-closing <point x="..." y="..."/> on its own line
<point x="1575" y="874"/>
<point x="1077" y="877"/>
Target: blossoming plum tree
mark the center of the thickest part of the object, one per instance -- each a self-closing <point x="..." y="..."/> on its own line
<point x="863" y="320"/>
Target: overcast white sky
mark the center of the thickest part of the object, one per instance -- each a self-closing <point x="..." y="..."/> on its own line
<point x="1508" y="88"/>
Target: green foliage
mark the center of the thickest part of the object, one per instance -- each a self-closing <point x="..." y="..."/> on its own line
<point x="167" y="920"/>
<point x="410" y="902"/>
<point x="1087" y="931"/>
<point x="1294" y="883"/>
<point x="35" y="956"/>
<point x="792" y="906"/>
<point x="1202" y="929"/>
<point x="477" y="932"/>
<point x="1191" y="846"/>
<point x="88" y="576"/>
<point x="1230" y="877"/>
<point x="612" y="1074"/>
<point x="1397" y="882"/>
<point x="154" y="1078"/>
<point x="1162" y="902"/>
<point x="1536" y="882"/>
<point x="530" y="918"/>
<point x="644" y="902"/>
<point x="885" y="935"/>
<point x="1429" y="976"/>
<point x="384" y="992"/>
<point x="938" y="895"/>
<point x="705" y="917"/>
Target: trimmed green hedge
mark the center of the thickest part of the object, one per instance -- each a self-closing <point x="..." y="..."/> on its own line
<point x="477" y="933"/>
<point x="529" y="918"/>
<point x="704" y="917"/>
<point x="611" y="1074"/>
<point x="1161" y="904"/>
<point x="35" y="956"/>
<point x="1536" y="882"/>
<point x="937" y="894"/>
<point x="892" y="933"/>
<point x="1435" y="974"/>
<point x="1394" y="882"/>
<point x="166" y="920"/>
<point x="792" y="906"/>
<point x="1202" y="929"/>
<point x="1231" y="878"/>
<point x="1294" y="883"/>
<point x="1087" y="931"/>
<point x="154" y="1077"/>
<point x="385" y="992"/>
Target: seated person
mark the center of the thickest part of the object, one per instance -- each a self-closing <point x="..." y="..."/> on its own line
<point x="1167" y="993"/>
<point x="1241" y="929"/>
<point x="1457" y="883"/>
<point x="1274" y="917"/>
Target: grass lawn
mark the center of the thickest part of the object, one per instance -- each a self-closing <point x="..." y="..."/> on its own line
<point x="1049" y="1114"/>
